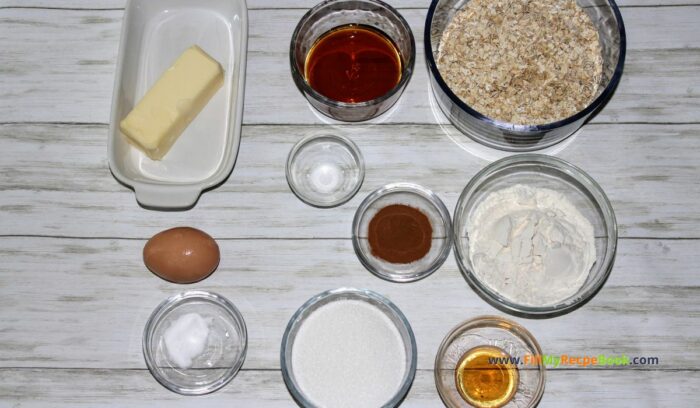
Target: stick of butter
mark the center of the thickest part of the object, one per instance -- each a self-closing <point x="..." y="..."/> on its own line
<point x="173" y="102"/>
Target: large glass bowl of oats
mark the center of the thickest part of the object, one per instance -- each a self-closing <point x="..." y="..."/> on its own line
<point x="522" y="75"/>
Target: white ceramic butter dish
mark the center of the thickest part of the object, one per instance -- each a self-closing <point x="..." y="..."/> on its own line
<point x="154" y="34"/>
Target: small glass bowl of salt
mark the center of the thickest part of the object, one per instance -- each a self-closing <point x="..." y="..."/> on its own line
<point x="195" y="342"/>
<point x="325" y="170"/>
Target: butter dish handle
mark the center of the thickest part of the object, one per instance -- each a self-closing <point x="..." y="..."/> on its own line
<point x="167" y="197"/>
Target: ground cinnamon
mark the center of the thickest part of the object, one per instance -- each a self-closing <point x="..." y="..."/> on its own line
<point x="400" y="234"/>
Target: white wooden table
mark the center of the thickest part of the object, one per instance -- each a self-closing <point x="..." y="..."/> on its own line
<point x="74" y="294"/>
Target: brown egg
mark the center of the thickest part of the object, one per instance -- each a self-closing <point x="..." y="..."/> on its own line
<point x="181" y="255"/>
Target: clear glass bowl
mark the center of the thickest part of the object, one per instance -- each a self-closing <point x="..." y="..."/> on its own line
<point x="223" y="354"/>
<point x="506" y="136"/>
<point x="494" y="331"/>
<point x="555" y="174"/>
<point x="325" y="170"/>
<point x="334" y="13"/>
<point x="414" y="196"/>
<point x="372" y="298"/>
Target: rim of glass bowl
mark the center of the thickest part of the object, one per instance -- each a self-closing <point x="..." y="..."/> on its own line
<point x="592" y="106"/>
<point x="412" y="189"/>
<point x="592" y="190"/>
<point x="498" y="322"/>
<point x="354" y="150"/>
<point x="355" y="294"/>
<point x="168" y="305"/>
<point x="408" y="62"/>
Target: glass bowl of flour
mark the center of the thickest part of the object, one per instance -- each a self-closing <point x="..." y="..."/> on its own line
<point x="534" y="235"/>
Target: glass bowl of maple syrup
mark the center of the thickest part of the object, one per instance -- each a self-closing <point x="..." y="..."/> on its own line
<point x="489" y="362"/>
<point x="352" y="59"/>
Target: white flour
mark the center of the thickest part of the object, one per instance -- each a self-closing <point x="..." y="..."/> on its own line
<point x="348" y="354"/>
<point x="531" y="245"/>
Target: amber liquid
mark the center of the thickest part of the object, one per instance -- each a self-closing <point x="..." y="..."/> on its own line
<point x="485" y="384"/>
<point x="353" y="63"/>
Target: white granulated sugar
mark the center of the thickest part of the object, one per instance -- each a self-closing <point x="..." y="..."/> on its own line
<point x="531" y="245"/>
<point x="348" y="354"/>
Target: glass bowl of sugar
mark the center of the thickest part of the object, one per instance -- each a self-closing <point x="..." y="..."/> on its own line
<point x="535" y="236"/>
<point x="195" y="342"/>
<point x="325" y="170"/>
<point x="348" y="348"/>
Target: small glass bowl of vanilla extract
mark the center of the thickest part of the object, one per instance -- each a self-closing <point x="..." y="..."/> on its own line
<point x="352" y="59"/>
<point x="489" y="362"/>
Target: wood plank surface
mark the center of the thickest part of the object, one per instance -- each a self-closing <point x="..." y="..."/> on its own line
<point x="56" y="181"/>
<point x="282" y="4"/>
<point x="59" y="67"/>
<point x="100" y="296"/>
<point x="74" y="294"/>
<point x="265" y="389"/>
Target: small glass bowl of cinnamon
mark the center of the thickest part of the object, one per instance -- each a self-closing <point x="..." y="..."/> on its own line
<point x="352" y="59"/>
<point x="402" y="232"/>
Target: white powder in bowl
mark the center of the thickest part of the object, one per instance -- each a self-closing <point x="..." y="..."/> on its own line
<point x="186" y="338"/>
<point x="348" y="353"/>
<point x="531" y="245"/>
<point x="325" y="177"/>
